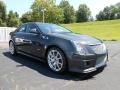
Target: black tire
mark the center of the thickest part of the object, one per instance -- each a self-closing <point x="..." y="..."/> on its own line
<point x="14" y="52"/>
<point x="64" y="66"/>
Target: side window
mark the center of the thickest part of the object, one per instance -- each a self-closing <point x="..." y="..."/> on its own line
<point x="45" y="28"/>
<point x="22" y="28"/>
<point x="31" y="27"/>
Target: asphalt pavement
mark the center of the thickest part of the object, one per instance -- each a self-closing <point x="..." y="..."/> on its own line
<point x="24" y="73"/>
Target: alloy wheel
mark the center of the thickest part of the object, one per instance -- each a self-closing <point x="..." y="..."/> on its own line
<point x="55" y="60"/>
<point x="11" y="48"/>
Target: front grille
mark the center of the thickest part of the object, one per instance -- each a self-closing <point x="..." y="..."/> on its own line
<point x="98" y="49"/>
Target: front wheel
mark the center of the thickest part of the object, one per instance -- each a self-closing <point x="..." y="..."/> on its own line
<point x="56" y="60"/>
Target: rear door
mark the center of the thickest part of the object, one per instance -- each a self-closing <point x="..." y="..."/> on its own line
<point x="19" y="37"/>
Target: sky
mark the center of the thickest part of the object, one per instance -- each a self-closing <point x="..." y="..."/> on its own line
<point x="22" y="6"/>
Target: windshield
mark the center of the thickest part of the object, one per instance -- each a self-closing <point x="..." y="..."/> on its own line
<point x="52" y="28"/>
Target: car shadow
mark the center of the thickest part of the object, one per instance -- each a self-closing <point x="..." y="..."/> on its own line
<point x="43" y="69"/>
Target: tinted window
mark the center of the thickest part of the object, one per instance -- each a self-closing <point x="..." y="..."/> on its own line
<point x="22" y="28"/>
<point x="52" y="28"/>
<point x="30" y="27"/>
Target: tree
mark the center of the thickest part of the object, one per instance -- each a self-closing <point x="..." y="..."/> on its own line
<point x="83" y="14"/>
<point x="12" y="20"/>
<point x="91" y="18"/>
<point x="113" y="11"/>
<point x="0" y="21"/>
<point x="69" y="12"/>
<point x="108" y="13"/>
<point x="117" y="10"/>
<point x="53" y="14"/>
<point x="27" y="17"/>
<point x="2" y="13"/>
<point x="100" y="16"/>
<point x="17" y="15"/>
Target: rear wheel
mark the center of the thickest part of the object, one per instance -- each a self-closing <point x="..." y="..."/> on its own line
<point x="12" y="49"/>
<point x="56" y="60"/>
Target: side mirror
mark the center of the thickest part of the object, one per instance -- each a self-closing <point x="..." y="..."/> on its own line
<point x="34" y="30"/>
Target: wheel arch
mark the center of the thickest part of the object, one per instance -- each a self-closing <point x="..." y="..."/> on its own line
<point x="11" y="41"/>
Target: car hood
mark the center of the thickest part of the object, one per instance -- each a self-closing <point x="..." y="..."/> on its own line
<point x="83" y="39"/>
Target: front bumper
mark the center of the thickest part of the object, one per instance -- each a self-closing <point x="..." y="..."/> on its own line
<point x="88" y="63"/>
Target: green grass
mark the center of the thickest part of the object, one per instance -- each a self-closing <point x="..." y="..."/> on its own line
<point x="106" y="30"/>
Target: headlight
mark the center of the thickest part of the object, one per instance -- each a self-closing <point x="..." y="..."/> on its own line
<point x="104" y="47"/>
<point x="80" y="48"/>
<point x="99" y="49"/>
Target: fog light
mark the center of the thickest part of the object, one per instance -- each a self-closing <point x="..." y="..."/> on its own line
<point x="87" y="63"/>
